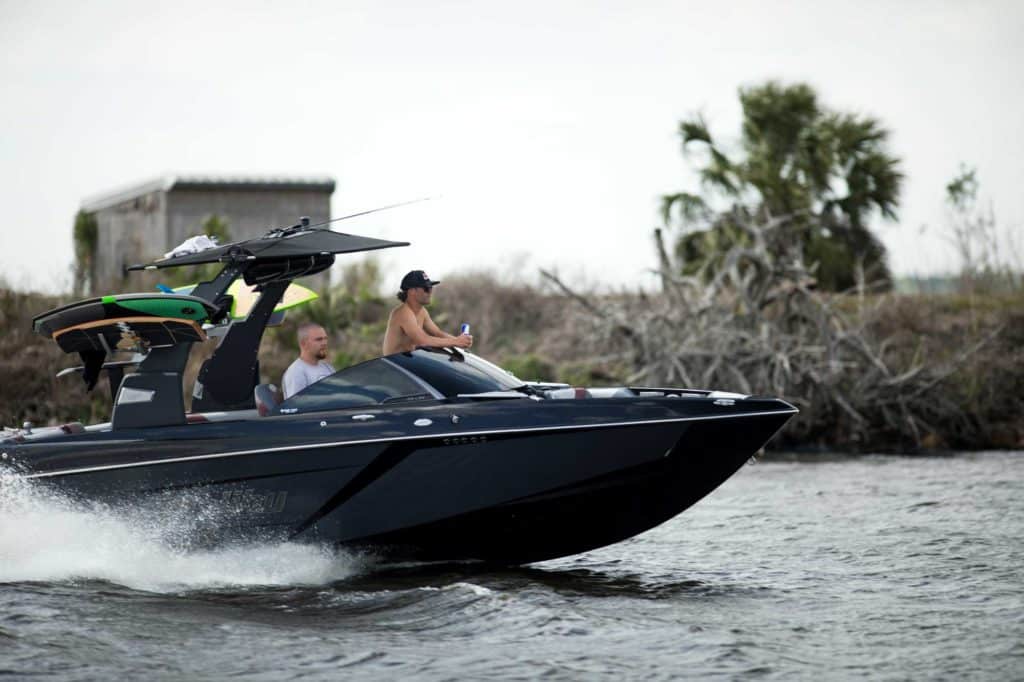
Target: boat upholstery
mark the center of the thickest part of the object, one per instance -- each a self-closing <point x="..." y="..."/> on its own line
<point x="267" y="399"/>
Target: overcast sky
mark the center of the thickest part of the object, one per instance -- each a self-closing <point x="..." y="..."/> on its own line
<point x="548" y="129"/>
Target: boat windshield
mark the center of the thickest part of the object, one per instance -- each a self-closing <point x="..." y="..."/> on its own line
<point x="373" y="382"/>
<point x="453" y="372"/>
<point x="424" y="374"/>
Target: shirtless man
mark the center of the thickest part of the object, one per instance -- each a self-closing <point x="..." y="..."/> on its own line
<point x="409" y="325"/>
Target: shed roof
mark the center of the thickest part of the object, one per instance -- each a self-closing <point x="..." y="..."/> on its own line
<point x="170" y="182"/>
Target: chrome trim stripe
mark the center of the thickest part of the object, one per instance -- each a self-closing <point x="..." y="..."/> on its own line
<point x="425" y="436"/>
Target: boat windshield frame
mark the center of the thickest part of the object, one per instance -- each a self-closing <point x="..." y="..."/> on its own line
<point x="438" y="374"/>
<point x="470" y="373"/>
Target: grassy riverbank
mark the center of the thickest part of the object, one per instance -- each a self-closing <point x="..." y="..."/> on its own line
<point x="976" y="404"/>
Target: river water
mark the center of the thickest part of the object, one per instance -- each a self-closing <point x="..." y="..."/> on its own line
<point x="837" y="567"/>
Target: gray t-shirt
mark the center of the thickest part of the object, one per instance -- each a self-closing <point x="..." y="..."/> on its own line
<point x="301" y="374"/>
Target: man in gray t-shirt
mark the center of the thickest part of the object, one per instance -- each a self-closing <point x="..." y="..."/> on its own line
<point x="310" y="366"/>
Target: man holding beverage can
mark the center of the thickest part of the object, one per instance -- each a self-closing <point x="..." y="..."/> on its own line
<point x="409" y="325"/>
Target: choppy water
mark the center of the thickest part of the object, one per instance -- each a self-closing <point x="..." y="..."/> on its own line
<point x="880" y="567"/>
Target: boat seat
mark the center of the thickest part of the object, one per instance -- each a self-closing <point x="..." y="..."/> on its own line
<point x="267" y="399"/>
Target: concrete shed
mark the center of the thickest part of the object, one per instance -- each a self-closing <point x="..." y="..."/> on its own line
<point x="145" y="221"/>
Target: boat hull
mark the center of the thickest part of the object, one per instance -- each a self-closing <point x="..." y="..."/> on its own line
<point x="496" y="481"/>
<point x="595" y="511"/>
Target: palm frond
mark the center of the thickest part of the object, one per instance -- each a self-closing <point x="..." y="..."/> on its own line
<point x="694" y="130"/>
<point x="691" y="207"/>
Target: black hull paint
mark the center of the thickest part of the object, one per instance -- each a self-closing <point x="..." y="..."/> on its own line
<point x="593" y="513"/>
<point x="507" y="481"/>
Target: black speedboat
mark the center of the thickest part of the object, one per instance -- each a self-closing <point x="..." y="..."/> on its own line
<point x="428" y="455"/>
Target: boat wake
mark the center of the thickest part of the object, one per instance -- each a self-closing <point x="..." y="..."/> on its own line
<point x="45" y="537"/>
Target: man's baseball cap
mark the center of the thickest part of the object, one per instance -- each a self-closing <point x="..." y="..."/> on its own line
<point x="417" y="278"/>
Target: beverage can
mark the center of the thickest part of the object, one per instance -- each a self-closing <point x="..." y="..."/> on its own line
<point x="465" y="328"/>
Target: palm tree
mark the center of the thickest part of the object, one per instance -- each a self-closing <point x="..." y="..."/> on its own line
<point x="830" y="171"/>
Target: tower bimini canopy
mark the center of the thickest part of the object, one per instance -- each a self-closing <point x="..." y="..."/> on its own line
<point x="294" y="242"/>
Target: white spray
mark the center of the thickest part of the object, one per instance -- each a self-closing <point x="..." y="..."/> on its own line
<point x="45" y="537"/>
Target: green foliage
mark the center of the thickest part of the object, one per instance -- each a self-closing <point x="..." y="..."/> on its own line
<point x="991" y="259"/>
<point x="327" y="311"/>
<point x="530" y="367"/>
<point x="691" y="207"/>
<point x="962" y="190"/>
<point x="85" y="236"/>
<point x="216" y="228"/>
<point x="353" y="301"/>
<point x="362" y="280"/>
<point x="584" y="374"/>
<point x="829" y="171"/>
<point x="343" y="359"/>
<point x="353" y="313"/>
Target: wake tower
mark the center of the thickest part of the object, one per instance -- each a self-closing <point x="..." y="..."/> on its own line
<point x="164" y="326"/>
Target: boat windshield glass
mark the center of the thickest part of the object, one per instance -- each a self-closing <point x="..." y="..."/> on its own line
<point x="455" y="372"/>
<point x="369" y="383"/>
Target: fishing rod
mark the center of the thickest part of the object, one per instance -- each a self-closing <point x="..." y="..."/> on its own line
<point x="373" y="210"/>
<point x="304" y="222"/>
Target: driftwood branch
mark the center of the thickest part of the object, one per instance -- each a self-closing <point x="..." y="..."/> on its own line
<point x="753" y="321"/>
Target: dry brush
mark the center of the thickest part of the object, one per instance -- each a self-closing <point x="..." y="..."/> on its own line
<point x="752" y="321"/>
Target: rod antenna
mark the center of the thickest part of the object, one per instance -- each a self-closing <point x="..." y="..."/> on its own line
<point x="373" y="210"/>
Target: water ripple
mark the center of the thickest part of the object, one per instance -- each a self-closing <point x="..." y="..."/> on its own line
<point x="873" y="567"/>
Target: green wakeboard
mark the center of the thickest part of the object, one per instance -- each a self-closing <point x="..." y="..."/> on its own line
<point x="106" y="308"/>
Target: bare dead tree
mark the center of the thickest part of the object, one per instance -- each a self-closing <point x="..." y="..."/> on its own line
<point x="755" y="323"/>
